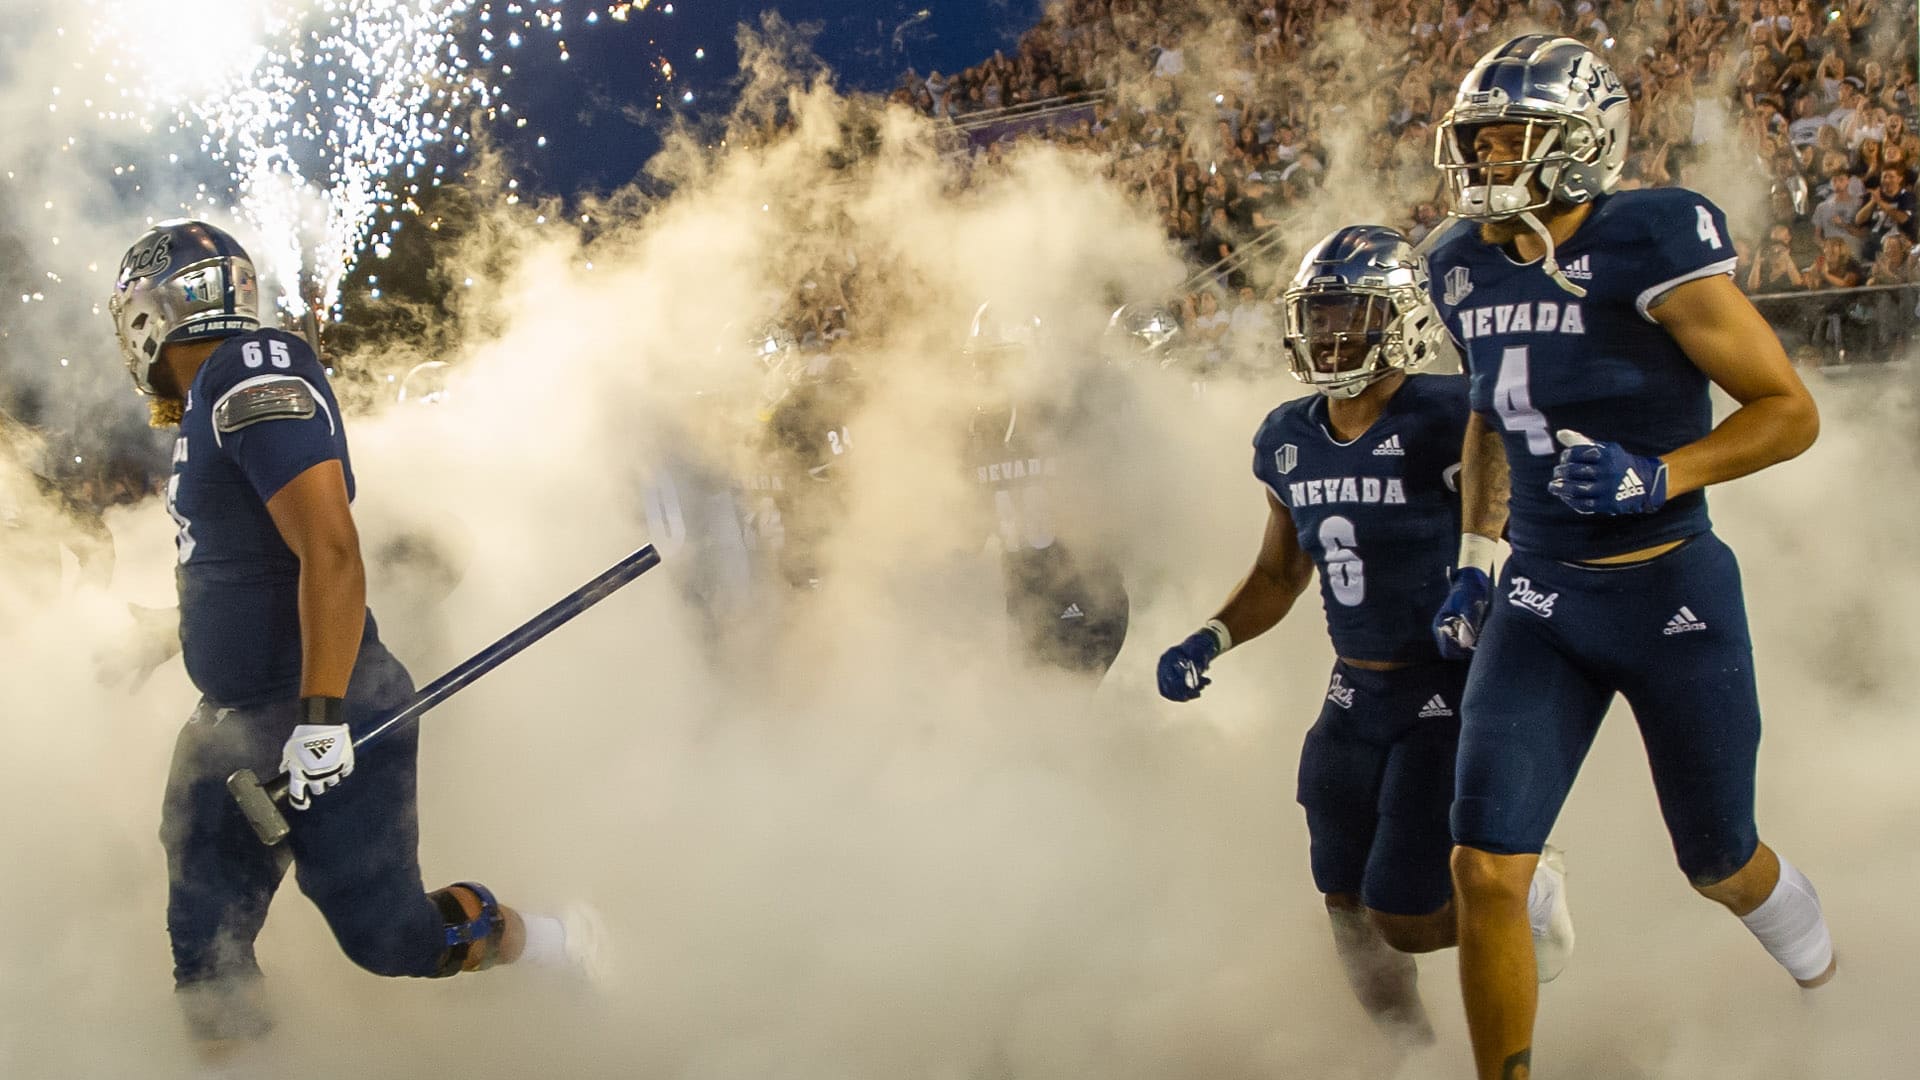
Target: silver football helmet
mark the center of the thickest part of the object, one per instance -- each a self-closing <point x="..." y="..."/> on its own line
<point x="1574" y="113"/>
<point x="1143" y="330"/>
<point x="181" y="281"/>
<point x="1358" y="310"/>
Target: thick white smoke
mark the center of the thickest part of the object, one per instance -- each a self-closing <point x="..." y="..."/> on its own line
<point x="865" y="844"/>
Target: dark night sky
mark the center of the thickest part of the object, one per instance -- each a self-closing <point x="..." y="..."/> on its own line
<point x="579" y="104"/>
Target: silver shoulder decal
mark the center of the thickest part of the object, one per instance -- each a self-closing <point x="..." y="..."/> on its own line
<point x="265" y="397"/>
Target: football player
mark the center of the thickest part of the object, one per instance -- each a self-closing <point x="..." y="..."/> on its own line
<point x="277" y="637"/>
<point x="1360" y="483"/>
<point x="1594" y="324"/>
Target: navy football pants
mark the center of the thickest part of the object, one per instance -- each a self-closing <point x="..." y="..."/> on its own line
<point x="355" y="850"/>
<point x="1376" y="778"/>
<point x="1671" y="635"/>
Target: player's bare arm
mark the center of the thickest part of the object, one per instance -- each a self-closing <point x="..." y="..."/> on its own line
<point x="314" y="518"/>
<point x="1726" y="338"/>
<point x="1483" y="481"/>
<point x="1281" y="572"/>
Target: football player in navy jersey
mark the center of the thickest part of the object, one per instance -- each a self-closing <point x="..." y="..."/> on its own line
<point x="1593" y="324"/>
<point x="1066" y="601"/>
<point x="276" y="635"/>
<point x="1361" y="486"/>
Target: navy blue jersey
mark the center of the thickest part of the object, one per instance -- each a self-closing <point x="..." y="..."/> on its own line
<point x="1542" y="360"/>
<point x="239" y="582"/>
<point x="1380" y="515"/>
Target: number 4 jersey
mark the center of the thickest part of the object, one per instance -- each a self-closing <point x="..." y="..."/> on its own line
<point x="1380" y="515"/>
<point x="258" y="415"/>
<point x="1542" y="359"/>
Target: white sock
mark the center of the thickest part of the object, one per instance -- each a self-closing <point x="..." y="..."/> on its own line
<point x="546" y="941"/>
<point x="1541" y="893"/>
<point x="1790" y="926"/>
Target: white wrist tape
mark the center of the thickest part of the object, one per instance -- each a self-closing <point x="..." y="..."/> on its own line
<point x="1477" y="550"/>
<point x="1219" y="630"/>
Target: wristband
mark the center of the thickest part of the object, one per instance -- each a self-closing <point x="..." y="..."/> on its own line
<point x="322" y="711"/>
<point x="1220" y="633"/>
<point x="1479" y="552"/>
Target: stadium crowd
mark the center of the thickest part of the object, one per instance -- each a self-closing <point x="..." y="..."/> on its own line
<point x="1223" y="125"/>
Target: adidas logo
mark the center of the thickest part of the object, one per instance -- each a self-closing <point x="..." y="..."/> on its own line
<point x="1073" y="612"/>
<point x="317" y="747"/>
<point x="1683" y="622"/>
<point x="1631" y="486"/>
<point x="1390" y="448"/>
<point x="1579" y="269"/>
<point x="1435" y="707"/>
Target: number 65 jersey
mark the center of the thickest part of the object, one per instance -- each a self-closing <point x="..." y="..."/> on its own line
<point x="1543" y="360"/>
<point x="1379" y="516"/>
<point x="259" y="413"/>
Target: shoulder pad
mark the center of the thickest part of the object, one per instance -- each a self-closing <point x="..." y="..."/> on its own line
<point x="264" y="397"/>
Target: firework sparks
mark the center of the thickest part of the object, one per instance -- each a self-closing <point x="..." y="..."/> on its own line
<point x="325" y="115"/>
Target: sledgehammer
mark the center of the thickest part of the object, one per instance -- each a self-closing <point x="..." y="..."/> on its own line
<point x="260" y="802"/>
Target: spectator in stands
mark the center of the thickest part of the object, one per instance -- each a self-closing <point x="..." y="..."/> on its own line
<point x="1888" y="208"/>
<point x="1773" y="271"/>
<point x="1835" y="268"/>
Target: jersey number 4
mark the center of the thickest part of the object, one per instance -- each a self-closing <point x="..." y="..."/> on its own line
<point x="1514" y="402"/>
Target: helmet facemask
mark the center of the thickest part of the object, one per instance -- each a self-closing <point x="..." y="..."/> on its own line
<point x="1342" y="341"/>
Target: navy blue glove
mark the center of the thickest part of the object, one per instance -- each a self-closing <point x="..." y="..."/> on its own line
<point x="1603" y="478"/>
<point x="1183" y="667"/>
<point x="1456" y="627"/>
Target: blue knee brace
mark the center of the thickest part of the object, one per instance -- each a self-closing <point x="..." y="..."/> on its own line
<point x="463" y="932"/>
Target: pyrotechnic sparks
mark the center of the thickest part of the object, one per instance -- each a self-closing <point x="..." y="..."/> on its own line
<point x="326" y="116"/>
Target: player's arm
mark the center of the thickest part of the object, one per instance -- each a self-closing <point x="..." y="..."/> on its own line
<point x="1725" y="336"/>
<point x="1484" y="490"/>
<point x="1280" y="574"/>
<point x="315" y="519"/>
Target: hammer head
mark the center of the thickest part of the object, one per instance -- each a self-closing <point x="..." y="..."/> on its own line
<point x="257" y="803"/>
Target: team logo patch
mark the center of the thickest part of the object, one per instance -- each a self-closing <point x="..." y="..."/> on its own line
<point x="1435" y="706"/>
<point x="1285" y="458"/>
<point x="1524" y="595"/>
<point x="1459" y="284"/>
<point x="1390" y="448"/>
<point x="1684" y="621"/>
<point x="1339" y="692"/>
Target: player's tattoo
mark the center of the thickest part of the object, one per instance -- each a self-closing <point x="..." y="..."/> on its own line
<point x="1519" y="1066"/>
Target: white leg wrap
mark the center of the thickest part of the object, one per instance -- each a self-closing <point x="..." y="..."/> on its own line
<point x="1790" y="926"/>
<point x="546" y="941"/>
<point x="1541" y="893"/>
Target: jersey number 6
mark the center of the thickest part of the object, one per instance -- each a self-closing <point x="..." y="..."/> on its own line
<point x="1346" y="574"/>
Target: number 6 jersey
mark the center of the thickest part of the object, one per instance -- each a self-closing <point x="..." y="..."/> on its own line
<point x="1542" y="359"/>
<point x="1380" y="516"/>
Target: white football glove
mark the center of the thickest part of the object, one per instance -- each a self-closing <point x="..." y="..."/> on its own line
<point x="317" y="757"/>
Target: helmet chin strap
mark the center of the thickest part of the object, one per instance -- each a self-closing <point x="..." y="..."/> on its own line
<point x="1547" y="262"/>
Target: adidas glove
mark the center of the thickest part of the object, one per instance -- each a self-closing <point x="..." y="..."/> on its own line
<point x="317" y="756"/>
<point x="1603" y="478"/>
<point x="1183" y="668"/>
<point x="1456" y="626"/>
